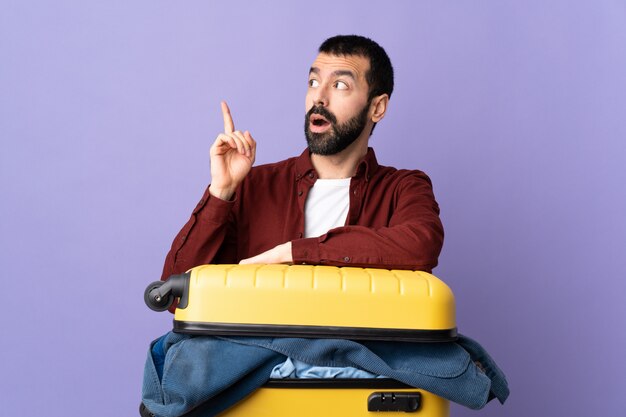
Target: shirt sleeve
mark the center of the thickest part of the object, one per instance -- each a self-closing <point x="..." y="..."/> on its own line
<point x="412" y="238"/>
<point x="205" y="237"/>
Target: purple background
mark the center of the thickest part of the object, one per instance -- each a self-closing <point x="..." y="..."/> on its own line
<point x="517" y="111"/>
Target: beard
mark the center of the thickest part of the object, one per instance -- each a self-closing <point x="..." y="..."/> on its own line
<point x="339" y="136"/>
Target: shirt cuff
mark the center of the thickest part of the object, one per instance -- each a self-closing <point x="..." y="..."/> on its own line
<point x="305" y="251"/>
<point x="213" y="210"/>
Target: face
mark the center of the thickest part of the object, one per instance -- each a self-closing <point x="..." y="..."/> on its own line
<point x="336" y="102"/>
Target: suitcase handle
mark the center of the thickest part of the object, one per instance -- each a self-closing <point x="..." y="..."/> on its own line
<point x="409" y="402"/>
<point x="160" y="295"/>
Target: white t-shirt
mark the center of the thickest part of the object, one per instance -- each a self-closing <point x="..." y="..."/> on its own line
<point x="326" y="206"/>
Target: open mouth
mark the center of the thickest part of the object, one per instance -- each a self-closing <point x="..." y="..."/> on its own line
<point x="318" y="123"/>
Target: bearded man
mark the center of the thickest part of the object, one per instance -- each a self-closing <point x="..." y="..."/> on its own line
<point x="332" y="205"/>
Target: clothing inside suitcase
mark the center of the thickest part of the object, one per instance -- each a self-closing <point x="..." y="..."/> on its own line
<point x="315" y="302"/>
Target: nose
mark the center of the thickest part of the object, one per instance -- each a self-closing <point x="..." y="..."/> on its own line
<point x="321" y="101"/>
<point x="320" y="96"/>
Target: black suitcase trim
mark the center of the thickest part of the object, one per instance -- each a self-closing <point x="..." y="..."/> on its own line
<point x="318" y="332"/>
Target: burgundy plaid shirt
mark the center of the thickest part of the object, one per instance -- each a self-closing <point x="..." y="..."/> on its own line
<point x="393" y="220"/>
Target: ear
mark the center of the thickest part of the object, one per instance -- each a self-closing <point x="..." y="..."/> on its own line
<point x="379" y="107"/>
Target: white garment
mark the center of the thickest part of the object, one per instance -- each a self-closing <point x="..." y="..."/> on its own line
<point x="326" y="206"/>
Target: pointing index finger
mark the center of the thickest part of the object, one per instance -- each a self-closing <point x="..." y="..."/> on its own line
<point x="229" y="126"/>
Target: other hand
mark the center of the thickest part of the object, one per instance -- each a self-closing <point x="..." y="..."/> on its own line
<point x="280" y="254"/>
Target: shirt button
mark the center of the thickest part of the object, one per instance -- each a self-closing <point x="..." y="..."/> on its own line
<point x="346" y="259"/>
<point x="311" y="175"/>
<point x="300" y="193"/>
<point x="183" y="237"/>
<point x="300" y="235"/>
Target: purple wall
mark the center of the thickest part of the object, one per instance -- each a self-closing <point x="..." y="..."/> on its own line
<point x="515" y="109"/>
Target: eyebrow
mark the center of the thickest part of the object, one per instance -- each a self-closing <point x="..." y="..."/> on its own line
<point x="337" y="73"/>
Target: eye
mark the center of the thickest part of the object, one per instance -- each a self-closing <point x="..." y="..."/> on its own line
<point x="313" y="83"/>
<point x="340" y="85"/>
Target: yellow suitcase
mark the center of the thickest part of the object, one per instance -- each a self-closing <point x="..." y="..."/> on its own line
<point x="319" y="302"/>
<point x="345" y="398"/>
<point x="308" y="301"/>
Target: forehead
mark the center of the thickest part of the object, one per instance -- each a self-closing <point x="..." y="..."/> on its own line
<point x="327" y="63"/>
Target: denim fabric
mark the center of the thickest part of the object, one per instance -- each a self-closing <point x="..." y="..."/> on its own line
<point x="216" y="372"/>
<point x="203" y="370"/>
<point x="499" y="384"/>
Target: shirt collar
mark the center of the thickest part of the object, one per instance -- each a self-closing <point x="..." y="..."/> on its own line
<point x="366" y="168"/>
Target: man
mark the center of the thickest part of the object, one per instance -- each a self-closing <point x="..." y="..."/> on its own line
<point x="332" y="205"/>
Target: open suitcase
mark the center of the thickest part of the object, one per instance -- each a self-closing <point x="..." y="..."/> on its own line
<point x="317" y="302"/>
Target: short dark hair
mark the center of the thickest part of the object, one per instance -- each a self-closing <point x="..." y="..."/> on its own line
<point x="380" y="74"/>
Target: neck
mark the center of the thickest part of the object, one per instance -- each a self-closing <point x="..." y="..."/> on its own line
<point x="341" y="165"/>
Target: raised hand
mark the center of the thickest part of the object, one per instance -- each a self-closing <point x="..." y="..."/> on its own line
<point x="232" y="156"/>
